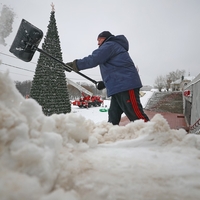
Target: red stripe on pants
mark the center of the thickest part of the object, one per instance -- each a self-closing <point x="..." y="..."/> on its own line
<point x="135" y="105"/>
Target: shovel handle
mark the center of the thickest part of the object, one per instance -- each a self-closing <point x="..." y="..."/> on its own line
<point x="66" y="67"/>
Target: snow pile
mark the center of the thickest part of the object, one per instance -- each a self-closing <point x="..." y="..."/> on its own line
<point x="31" y="142"/>
<point x="70" y="157"/>
<point x="156" y="132"/>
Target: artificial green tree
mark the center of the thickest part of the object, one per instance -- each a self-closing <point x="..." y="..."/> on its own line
<point x="49" y="86"/>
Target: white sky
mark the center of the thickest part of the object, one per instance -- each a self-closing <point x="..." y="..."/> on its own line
<point x="163" y="34"/>
<point x="43" y="158"/>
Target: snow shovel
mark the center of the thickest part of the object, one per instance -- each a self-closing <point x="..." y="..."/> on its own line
<point x="26" y="43"/>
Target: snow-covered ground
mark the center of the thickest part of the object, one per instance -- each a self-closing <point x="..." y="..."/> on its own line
<point x="96" y="115"/>
<point x="79" y="156"/>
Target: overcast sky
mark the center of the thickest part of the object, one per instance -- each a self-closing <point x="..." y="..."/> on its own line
<point x="164" y="35"/>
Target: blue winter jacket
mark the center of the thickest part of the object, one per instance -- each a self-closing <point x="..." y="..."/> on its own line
<point x="117" y="68"/>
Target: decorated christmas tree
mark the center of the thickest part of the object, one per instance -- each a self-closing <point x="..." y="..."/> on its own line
<point x="49" y="86"/>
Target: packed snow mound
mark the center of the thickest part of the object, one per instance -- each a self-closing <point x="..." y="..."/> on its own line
<point x="68" y="157"/>
<point x="30" y="143"/>
<point x="155" y="132"/>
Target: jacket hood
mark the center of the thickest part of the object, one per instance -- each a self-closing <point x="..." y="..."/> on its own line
<point x="120" y="39"/>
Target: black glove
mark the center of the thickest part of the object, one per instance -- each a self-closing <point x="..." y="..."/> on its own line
<point x="73" y="65"/>
<point x="100" y="85"/>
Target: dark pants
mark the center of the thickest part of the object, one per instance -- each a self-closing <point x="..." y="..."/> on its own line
<point x="127" y="102"/>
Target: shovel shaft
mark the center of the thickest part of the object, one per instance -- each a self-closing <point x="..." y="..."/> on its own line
<point x="66" y="67"/>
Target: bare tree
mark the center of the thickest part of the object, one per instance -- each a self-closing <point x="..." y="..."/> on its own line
<point x="164" y="82"/>
<point x="24" y="87"/>
<point x="87" y="87"/>
<point x="160" y="83"/>
<point x="92" y="88"/>
<point x="167" y="82"/>
<point x="175" y="75"/>
<point x="73" y="92"/>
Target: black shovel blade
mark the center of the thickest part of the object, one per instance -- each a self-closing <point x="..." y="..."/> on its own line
<point x="26" y="41"/>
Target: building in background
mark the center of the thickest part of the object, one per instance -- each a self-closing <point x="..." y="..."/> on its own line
<point x="179" y="84"/>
